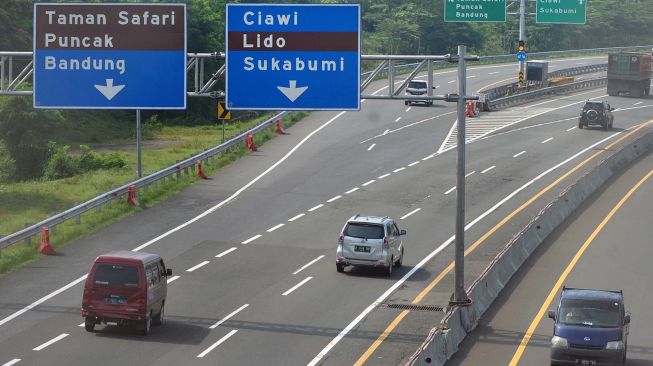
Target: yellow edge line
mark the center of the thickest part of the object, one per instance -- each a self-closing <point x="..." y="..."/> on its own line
<point x="540" y="314"/>
<point x="363" y="358"/>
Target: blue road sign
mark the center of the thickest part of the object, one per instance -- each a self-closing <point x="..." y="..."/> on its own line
<point x="521" y="56"/>
<point x="110" y="56"/>
<point x="293" y="57"/>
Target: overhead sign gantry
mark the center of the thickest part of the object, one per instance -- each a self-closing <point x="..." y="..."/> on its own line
<point x="110" y="56"/>
<point x="293" y="57"/>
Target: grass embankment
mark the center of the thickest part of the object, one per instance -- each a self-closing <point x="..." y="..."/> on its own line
<point x="31" y="202"/>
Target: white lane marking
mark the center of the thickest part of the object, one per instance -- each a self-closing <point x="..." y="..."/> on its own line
<point x="371" y="147"/>
<point x="81" y="326"/>
<point x="352" y="190"/>
<point x="217" y="343"/>
<point x="488" y="169"/>
<point x="252" y="239"/>
<point x="471" y="76"/>
<point x="41" y="300"/>
<point x="296" y="217"/>
<point x="308" y="264"/>
<point x="450" y="190"/>
<point x="638" y="103"/>
<point x="224" y="253"/>
<point x="520" y="153"/>
<point x="410" y="213"/>
<point x="315" y="207"/>
<point x="191" y="269"/>
<point x="333" y="199"/>
<point x="547" y="140"/>
<point x="573" y="128"/>
<point x="398" y="119"/>
<point x="50" y="342"/>
<point x="452" y="81"/>
<point x="413" y="163"/>
<point x="493" y="73"/>
<point x="297" y="286"/>
<point x="470" y="173"/>
<point x="229" y="316"/>
<point x="398" y="170"/>
<point x="242" y="189"/>
<point x="408" y="109"/>
<point x="428" y="157"/>
<point x="12" y="362"/>
<point x="439" y="249"/>
<point x="275" y="228"/>
<point x="410" y="125"/>
<point x="173" y="278"/>
<point x="384" y="175"/>
<point x="368" y="183"/>
<point x="385" y="132"/>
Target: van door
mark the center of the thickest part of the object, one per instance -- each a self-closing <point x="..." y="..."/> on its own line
<point x="154" y="288"/>
<point x="115" y="286"/>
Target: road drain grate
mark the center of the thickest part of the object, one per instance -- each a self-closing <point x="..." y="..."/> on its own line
<point x="414" y="307"/>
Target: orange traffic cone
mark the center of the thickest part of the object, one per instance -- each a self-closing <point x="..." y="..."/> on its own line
<point x="45" y="247"/>
<point x="249" y="141"/>
<point x="200" y="171"/>
<point x="280" y="129"/>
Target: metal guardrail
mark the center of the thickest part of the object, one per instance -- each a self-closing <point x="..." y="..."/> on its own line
<point x="110" y="196"/>
<point x="524" y="97"/>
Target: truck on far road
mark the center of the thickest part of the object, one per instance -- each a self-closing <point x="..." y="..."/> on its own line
<point x="629" y="72"/>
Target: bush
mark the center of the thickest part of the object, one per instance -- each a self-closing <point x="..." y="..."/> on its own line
<point x="63" y="164"/>
<point x="7" y="164"/>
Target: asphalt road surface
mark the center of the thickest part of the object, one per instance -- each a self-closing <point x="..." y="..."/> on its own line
<point x="276" y="299"/>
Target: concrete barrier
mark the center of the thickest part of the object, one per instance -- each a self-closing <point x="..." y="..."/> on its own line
<point x="442" y="342"/>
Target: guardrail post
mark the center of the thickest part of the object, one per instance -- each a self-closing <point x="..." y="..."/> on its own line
<point x="28" y="240"/>
<point x="78" y="218"/>
<point x="53" y="229"/>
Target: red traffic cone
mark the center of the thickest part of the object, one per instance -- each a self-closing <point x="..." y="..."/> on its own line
<point x="132" y="194"/>
<point x="45" y="247"/>
<point x="469" y="111"/>
<point x="249" y="141"/>
<point x="200" y="171"/>
<point x="280" y="129"/>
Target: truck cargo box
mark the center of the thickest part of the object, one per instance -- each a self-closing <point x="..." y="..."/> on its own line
<point x="629" y="66"/>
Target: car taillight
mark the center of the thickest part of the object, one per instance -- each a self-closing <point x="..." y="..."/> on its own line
<point x="341" y="239"/>
<point x="386" y="244"/>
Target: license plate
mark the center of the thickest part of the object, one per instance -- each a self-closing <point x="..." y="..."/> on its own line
<point x="588" y="362"/>
<point x="112" y="323"/>
<point x="361" y="248"/>
<point x="113" y="299"/>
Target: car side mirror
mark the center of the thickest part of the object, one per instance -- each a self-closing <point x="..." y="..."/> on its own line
<point x="552" y="314"/>
<point x="169" y="272"/>
<point x="403" y="232"/>
<point x="434" y="87"/>
<point x="627" y="319"/>
<point x="612" y="109"/>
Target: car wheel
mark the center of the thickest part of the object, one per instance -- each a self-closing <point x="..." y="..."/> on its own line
<point x="340" y="268"/>
<point x="606" y="125"/>
<point x="406" y="102"/>
<point x="400" y="261"/>
<point x="390" y="265"/>
<point x="580" y="125"/>
<point x="146" y="325"/>
<point x="89" y="323"/>
<point x="430" y="103"/>
<point x="159" y="318"/>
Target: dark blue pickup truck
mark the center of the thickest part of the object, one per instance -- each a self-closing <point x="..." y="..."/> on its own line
<point x="591" y="328"/>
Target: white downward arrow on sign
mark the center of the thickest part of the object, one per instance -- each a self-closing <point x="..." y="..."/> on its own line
<point x="109" y="91"/>
<point x="293" y="92"/>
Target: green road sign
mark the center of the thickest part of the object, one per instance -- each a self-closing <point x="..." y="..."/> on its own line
<point x="474" y="10"/>
<point x="561" y="11"/>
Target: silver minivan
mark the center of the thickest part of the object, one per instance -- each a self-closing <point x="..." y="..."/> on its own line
<point x="370" y="241"/>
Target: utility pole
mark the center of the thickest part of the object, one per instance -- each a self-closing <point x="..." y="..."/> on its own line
<point x="522" y="38"/>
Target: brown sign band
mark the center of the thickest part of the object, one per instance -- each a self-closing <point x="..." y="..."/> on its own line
<point x="107" y="27"/>
<point x="293" y="41"/>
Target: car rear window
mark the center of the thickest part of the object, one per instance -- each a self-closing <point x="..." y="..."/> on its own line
<point x="592" y="313"/>
<point x="363" y="230"/>
<point x="595" y="106"/>
<point x="116" y="275"/>
<point x="417" y="84"/>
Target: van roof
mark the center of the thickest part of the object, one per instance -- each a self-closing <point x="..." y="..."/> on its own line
<point x="126" y="255"/>
<point x="591" y="294"/>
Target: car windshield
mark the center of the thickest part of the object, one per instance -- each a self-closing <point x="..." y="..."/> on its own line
<point x="363" y="230"/>
<point x="590" y="313"/>
<point x="417" y="85"/>
<point x="115" y="275"/>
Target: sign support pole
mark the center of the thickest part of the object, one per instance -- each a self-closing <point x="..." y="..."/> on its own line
<point x="138" y="143"/>
<point x="522" y="33"/>
<point x="460" y="297"/>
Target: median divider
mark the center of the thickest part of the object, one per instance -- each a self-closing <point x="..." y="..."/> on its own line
<point x="443" y="340"/>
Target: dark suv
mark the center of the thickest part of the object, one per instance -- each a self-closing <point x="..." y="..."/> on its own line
<point x="596" y="113"/>
<point x="591" y="328"/>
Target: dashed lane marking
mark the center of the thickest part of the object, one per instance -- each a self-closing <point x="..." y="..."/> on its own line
<point x="308" y="264"/>
<point x="488" y="169"/>
<point x="191" y="269"/>
<point x="275" y="228"/>
<point x="315" y="207"/>
<point x="297" y="286"/>
<point x="223" y="254"/>
<point x="410" y="213"/>
<point x="229" y="316"/>
<point x="52" y="341"/>
<point x="371" y="147"/>
<point x="217" y="343"/>
<point x="519" y="154"/>
<point x="296" y="217"/>
<point x="252" y="239"/>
